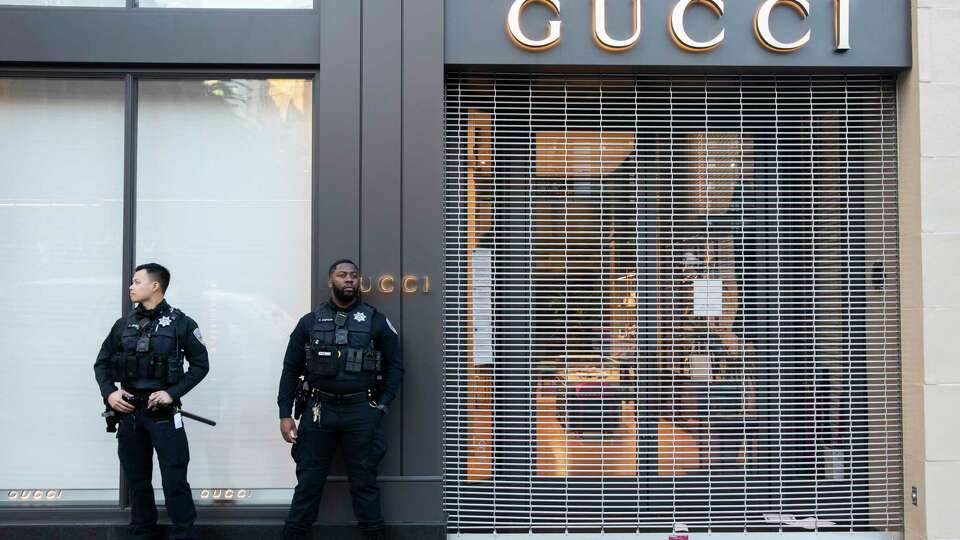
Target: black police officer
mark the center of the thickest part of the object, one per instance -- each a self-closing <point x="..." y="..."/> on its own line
<point x="349" y="357"/>
<point x="144" y="352"/>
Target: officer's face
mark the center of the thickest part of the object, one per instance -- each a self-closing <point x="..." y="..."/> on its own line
<point x="142" y="287"/>
<point x="344" y="282"/>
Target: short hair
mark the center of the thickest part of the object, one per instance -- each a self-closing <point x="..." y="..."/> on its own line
<point x="339" y="262"/>
<point x="157" y="273"/>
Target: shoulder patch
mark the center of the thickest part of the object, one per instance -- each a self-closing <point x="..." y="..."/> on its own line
<point x="199" y="336"/>
<point x="390" y="324"/>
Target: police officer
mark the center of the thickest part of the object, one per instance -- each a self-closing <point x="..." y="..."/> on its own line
<point x="349" y="357"/>
<point x="144" y="352"/>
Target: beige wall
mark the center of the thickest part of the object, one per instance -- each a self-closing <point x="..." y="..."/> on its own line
<point x="930" y="153"/>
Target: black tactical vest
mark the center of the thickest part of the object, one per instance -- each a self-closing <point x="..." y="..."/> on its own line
<point x="341" y="347"/>
<point x="150" y="351"/>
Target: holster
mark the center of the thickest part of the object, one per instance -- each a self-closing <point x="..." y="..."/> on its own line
<point x="300" y="399"/>
<point x="112" y="419"/>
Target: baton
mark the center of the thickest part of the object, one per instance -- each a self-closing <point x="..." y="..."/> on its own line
<point x="200" y="419"/>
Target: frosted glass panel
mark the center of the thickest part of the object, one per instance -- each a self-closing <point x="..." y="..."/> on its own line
<point x="65" y="3"/>
<point x="61" y="217"/>
<point x="232" y="4"/>
<point x="213" y="4"/>
<point x="223" y="200"/>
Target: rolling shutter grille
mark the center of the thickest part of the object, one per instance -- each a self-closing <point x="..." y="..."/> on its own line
<point x="671" y="299"/>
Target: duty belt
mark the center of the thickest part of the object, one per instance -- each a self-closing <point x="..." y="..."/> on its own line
<point x="341" y="399"/>
<point x="139" y="400"/>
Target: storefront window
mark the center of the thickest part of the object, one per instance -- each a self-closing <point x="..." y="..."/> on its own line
<point x="61" y="192"/>
<point x="210" y="4"/>
<point x="224" y="4"/>
<point x="223" y="200"/>
<point x="65" y="3"/>
<point x="672" y="300"/>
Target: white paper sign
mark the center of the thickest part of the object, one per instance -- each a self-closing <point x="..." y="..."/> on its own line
<point x="708" y="297"/>
<point x="482" y="272"/>
<point x="699" y="365"/>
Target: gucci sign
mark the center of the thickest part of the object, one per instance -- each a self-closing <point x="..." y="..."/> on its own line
<point x="763" y="30"/>
<point x="387" y="284"/>
<point x="35" y="494"/>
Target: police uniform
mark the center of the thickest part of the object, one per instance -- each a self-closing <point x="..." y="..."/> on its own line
<point x="351" y="363"/>
<point x="144" y="352"/>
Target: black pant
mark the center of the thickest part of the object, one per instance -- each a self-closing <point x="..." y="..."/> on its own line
<point x="138" y="435"/>
<point x="358" y="427"/>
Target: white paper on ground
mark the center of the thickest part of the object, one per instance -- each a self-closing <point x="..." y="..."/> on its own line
<point x="809" y="523"/>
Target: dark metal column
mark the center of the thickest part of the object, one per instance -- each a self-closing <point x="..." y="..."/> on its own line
<point x="129" y="215"/>
<point x="423" y="240"/>
<point x="381" y="242"/>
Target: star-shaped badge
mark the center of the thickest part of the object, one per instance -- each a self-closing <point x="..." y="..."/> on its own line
<point x="165" y="321"/>
<point x="359" y="317"/>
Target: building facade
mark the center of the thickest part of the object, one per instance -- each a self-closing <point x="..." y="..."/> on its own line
<point x="655" y="264"/>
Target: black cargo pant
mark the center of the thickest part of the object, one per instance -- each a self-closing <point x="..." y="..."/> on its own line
<point x="138" y="435"/>
<point x="358" y="428"/>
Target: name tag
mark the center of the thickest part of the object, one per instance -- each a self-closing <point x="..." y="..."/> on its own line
<point x="324" y="353"/>
<point x="177" y="421"/>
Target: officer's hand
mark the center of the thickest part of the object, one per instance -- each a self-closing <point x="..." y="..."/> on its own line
<point x="116" y="402"/>
<point x="159" y="398"/>
<point x="288" y="429"/>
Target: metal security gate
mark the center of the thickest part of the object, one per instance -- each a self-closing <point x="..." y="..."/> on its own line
<point x="671" y="300"/>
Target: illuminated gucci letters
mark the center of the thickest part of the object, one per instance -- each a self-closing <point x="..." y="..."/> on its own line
<point x="766" y="35"/>
<point x="679" y="32"/>
<point x="388" y="284"/>
<point x="600" y="34"/>
<point x="521" y="39"/>
<point x="761" y="25"/>
<point x="841" y="24"/>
